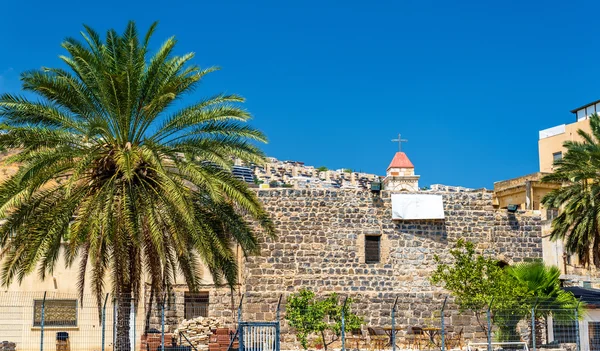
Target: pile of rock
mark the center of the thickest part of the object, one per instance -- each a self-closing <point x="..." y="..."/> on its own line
<point x="7" y="346"/>
<point x="197" y="331"/>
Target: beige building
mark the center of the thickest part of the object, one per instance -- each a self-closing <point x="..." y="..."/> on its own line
<point x="526" y="193"/>
<point x="551" y="140"/>
<point x="65" y="311"/>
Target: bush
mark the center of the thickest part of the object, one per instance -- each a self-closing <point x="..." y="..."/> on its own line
<point x="307" y="315"/>
<point x="476" y="280"/>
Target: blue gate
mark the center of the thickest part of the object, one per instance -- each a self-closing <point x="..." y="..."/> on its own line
<point x="258" y="336"/>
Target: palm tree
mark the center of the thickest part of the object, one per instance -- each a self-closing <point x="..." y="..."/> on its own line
<point x="112" y="166"/>
<point x="543" y="292"/>
<point x="578" y="171"/>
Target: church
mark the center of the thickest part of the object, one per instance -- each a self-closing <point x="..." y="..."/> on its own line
<point x="374" y="246"/>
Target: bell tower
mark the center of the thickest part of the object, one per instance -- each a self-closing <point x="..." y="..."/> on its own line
<point x="400" y="175"/>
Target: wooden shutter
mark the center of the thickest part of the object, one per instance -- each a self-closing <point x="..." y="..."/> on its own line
<point x="372" y="249"/>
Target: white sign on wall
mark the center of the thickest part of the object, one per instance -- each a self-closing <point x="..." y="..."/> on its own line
<point x="417" y="206"/>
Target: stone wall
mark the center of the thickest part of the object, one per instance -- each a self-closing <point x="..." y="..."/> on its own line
<point x="219" y="306"/>
<point x="320" y="245"/>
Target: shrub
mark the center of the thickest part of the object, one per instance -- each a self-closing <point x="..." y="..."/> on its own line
<point x="307" y="315"/>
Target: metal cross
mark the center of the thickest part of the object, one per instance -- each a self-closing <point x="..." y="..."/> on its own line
<point x="399" y="141"/>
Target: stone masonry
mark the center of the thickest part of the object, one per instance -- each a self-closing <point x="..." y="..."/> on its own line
<point x="320" y="245"/>
<point x="220" y="306"/>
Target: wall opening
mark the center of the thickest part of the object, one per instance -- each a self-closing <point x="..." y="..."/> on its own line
<point x="372" y="249"/>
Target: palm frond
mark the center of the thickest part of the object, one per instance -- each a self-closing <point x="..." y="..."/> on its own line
<point x="116" y="178"/>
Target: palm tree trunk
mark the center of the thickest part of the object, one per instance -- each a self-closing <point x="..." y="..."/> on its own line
<point x="539" y="332"/>
<point x="123" y="323"/>
<point x="149" y="309"/>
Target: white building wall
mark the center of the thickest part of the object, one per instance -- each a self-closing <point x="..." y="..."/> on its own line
<point x="590" y="315"/>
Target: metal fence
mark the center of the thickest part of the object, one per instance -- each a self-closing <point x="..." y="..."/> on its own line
<point x="65" y="322"/>
<point x="438" y="324"/>
<point x="520" y="326"/>
<point x="51" y="321"/>
<point x="48" y="321"/>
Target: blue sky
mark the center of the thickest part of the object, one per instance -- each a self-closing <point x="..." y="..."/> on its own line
<point x="469" y="83"/>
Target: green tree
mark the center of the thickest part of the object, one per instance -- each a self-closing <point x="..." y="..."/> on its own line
<point x="111" y="164"/>
<point x="474" y="280"/>
<point x="478" y="284"/>
<point x="322" y="169"/>
<point x="543" y="294"/>
<point x="578" y="171"/>
<point x="308" y="315"/>
<point x="305" y="314"/>
<point x="333" y="307"/>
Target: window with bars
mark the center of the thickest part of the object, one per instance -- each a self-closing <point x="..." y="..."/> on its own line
<point x="372" y="249"/>
<point x="594" y="335"/>
<point x="57" y="313"/>
<point x="196" y="304"/>
<point x="564" y="331"/>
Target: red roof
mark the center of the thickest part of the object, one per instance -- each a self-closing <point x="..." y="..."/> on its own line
<point x="400" y="161"/>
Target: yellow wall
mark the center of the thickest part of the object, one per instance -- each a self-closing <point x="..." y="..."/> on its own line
<point x="548" y="146"/>
<point x="513" y="198"/>
<point x="515" y="192"/>
<point x="16" y="312"/>
<point x="517" y="197"/>
<point x="16" y="309"/>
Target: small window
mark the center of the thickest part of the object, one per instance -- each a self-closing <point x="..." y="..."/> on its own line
<point x="57" y="313"/>
<point x="551" y="213"/>
<point x="565" y="332"/>
<point x="557" y="156"/>
<point x="587" y="285"/>
<point x="196" y="304"/>
<point x="594" y="335"/>
<point x="372" y="249"/>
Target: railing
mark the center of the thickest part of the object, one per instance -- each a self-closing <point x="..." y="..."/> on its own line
<point x="472" y="346"/>
<point x="259" y="336"/>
